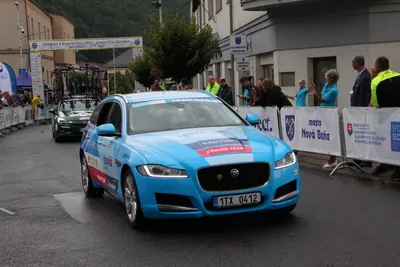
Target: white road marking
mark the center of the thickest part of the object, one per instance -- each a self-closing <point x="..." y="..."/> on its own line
<point x="7" y="211"/>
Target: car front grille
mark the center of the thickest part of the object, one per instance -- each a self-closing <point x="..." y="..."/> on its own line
<point x="220" y="178"/>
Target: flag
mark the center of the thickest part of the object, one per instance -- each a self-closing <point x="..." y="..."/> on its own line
<point x="196" y="4"/>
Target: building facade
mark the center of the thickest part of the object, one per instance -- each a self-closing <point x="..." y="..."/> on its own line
<point x="37" y="25"/>
<point x="63" y="29"/>
<point x="302" y="39"/>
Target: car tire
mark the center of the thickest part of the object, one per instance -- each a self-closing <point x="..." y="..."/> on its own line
<point x="284" y="211"/>
<point x="87" y="184"/>
<point x="132" y="204"/>
<point x="57" y="138"/>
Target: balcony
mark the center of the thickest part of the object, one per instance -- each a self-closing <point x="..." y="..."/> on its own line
<point x="263" y="5"/>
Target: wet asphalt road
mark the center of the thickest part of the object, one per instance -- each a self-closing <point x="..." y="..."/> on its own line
<point x="339" y="221"/>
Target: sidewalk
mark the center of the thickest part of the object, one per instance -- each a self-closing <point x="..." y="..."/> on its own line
<point x="313" y="160"/>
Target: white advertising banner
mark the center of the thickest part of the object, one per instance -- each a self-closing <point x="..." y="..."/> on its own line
<point x="15" y="116"/>
<point x="7" y="117"/>
<point x="312" y="129"/>
<point x="269" y="118"/>
<point x="2" y="119"/>
<point x="21" y="114"/>
<point x="372" y="134"/>
<point x="28" y="115"/>
<point x="5" y="81"/>
<point x="87" y="44"/>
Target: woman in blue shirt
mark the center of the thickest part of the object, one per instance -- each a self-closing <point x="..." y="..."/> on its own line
<point x="301" y="95"/>
<point x="328" y="98"/>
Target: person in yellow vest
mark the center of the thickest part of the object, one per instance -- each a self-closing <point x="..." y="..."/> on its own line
<point x="157" y="86"/>
<point x="212" y="86"/>
<point x="385" y="93"/>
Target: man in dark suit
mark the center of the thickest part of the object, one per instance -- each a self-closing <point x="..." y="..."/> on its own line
<point x="360" y="95"/>
<point x="225" y="92"/>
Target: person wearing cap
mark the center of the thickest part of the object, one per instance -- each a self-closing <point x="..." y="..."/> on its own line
<point x="225" y="92"/>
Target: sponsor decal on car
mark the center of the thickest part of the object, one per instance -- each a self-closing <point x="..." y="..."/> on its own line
<point x="101" y="179"/>
<point x="224" y="150"/>
<point x="113" y="184"/>
<point x="107" y="161"/>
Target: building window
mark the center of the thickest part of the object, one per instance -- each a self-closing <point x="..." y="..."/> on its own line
<point x="33" y="29"/>
<point x="44" y="32"/>
<point x="218" y="6"/>
<point x="65" y="35"/>
<point x="48" y="33"/>
<point x="40" y="36"/>
<point x="286" y="79"/>
<point x="210" y="9"/>
<point x="268" y="71"/>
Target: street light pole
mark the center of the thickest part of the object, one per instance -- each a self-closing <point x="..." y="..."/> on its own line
<point x="233" y="85"/>
<point x="157" y="4"/>
<point x="20" y="31"/>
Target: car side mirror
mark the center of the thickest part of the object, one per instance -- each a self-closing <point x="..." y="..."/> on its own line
<point x="253" y="119"/>
<point x="107" y="130"/>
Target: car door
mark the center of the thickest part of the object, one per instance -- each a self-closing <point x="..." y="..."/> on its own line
<point x="90" y="144"/>
<point x="108" y="146"/>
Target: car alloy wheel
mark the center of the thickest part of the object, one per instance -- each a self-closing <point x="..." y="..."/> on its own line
<point x="87" y="185"/>
<point x="130" y="198"/>
<point x="132" y="203"/>
<point x="85" y="175"/>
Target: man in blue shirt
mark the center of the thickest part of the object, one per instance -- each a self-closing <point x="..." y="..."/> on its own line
<point x="301" y="95"/>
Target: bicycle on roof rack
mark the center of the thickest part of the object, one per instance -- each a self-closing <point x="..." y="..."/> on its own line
<point x="75" y="80"/>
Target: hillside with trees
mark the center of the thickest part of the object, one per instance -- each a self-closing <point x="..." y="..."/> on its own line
<point x="109" y="18"/>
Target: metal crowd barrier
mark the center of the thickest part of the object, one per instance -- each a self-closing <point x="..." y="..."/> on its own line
<point x="367" y="134"/>
<point x="15" y="118"/>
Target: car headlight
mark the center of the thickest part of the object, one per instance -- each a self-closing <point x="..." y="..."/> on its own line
<point x="61" y="120"/>
<point x="160" y="171"/>
<point x="288" y="160"/>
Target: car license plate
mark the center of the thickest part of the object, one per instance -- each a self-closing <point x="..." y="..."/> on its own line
<point x="237" y="200"/>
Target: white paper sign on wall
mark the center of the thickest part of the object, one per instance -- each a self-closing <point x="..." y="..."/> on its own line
<point x="243" y="64"/>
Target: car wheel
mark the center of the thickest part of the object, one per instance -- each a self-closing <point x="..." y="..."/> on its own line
<point x="284" y="211"/>
<point x="56" y="137"/>
<point x="87" y="184"/>
<point x="132" y="203"/>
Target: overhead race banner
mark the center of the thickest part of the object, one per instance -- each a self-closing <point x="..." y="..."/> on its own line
<point x="87" y="44"/>
<point x="269" y="118"/>
<point x="312" y="129"/>
<point x="372" y="134"/>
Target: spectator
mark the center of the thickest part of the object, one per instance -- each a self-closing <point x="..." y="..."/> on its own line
<point x="259" y="83"/>
<point x="271" y="95"/>
<point x="212" y="86"/>
<point x="36" y="103"/>
<point x="301" y="94"/>
<point x="186" y="84"/>
<point x="385" y="93"/>
<point x="156" y="86"/>
<point x="328" y="98"/>
<point x="6" y="99"/>
<point x="249" y="94"/>
<point x="174" y="87"/>
<point x="360" y="95"/>
<point x="225" y="92"/>
<point x="373" y="72"/>
<point x="20" y="100"/>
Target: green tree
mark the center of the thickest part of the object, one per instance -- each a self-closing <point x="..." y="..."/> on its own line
<point x="125" y="82"/>
<point x="178" y="48"/>
<point x="142" y="69"/>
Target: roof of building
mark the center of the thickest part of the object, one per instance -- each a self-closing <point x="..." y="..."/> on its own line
<point x="121" y="61"/>
<point x="41" y="8"/>
<point x="167" y="95"/>
<point x="55" y="15"/>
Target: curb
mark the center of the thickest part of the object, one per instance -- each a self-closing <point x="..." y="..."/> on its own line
<point x="315" y="161"/>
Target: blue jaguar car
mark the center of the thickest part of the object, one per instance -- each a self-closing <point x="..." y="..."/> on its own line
<point x="184" y="154"/>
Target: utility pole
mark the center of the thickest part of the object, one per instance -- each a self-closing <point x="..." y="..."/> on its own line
<point x="233" y="85"/>
<point x="20" y="32"/>
<point x="157" y="4"/>
<point x="115" y="73"/>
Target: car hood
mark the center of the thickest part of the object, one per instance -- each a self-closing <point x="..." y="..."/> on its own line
<point x="76" y="115"/>
<point x="208" y="146"/>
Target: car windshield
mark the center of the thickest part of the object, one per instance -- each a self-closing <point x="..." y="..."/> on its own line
<point x="166" y="115"/>
<point x="79" y="105"/>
